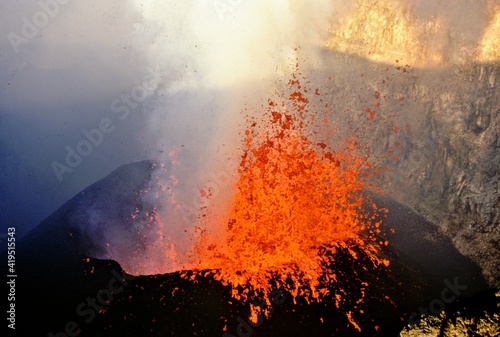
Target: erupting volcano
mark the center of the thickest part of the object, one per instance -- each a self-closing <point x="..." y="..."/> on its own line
<point x="296" y="202"/>
<point x="173" y="171"/>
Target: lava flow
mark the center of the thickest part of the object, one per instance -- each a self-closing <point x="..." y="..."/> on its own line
<point x="296" y="203"/>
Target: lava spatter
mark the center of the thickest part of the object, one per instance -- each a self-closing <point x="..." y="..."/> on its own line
<point x="296" y="202"/>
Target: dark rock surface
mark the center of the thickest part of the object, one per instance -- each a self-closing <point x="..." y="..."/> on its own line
<point x="62" y="286"/>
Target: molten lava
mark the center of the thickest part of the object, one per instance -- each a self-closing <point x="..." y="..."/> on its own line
<point x="296" y="203"/>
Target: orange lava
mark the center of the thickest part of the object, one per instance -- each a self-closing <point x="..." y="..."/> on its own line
<point x="296" y="202"/>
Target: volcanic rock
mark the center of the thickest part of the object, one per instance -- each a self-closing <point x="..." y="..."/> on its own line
<point x="477" y="316"/>
<point x="63" y="286"/>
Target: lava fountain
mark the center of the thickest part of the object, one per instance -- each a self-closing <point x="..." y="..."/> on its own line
<point x="296" y="203"/>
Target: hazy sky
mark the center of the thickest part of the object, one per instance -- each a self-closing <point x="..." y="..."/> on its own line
<point x="61" y="67"/>
<point x="87" y="86"/>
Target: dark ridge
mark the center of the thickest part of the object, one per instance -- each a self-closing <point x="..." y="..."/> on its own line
<point x="58" y="280"/>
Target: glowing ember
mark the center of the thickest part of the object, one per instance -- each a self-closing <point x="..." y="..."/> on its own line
<point x="296" y="203"/>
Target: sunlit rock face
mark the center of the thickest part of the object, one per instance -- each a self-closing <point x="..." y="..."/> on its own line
<point x="435" y="70"/>
<point x="490" y="50"/>
<point x="421" y="33"/>
<point x="478" y="316"/>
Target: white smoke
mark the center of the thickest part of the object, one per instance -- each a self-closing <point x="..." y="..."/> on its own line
<point x="222" y="60"/>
